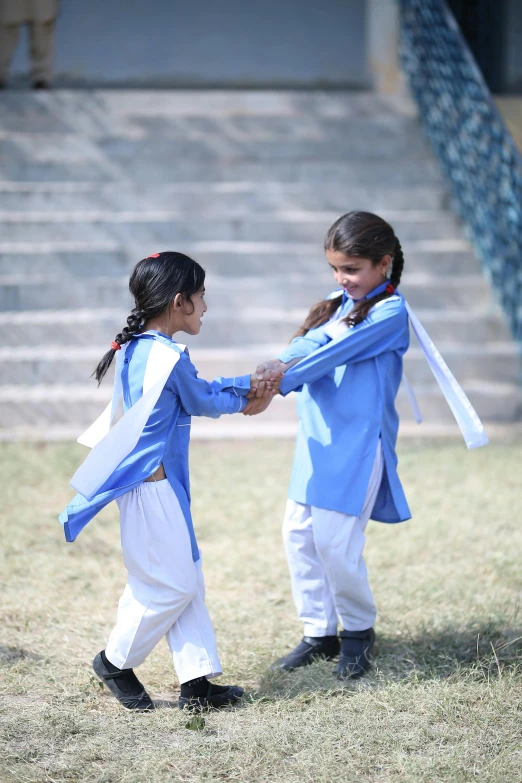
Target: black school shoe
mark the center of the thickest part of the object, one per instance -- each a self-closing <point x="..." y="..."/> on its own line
<point x="354" y="660"/>
<point x="207" y="696"/>
<point x="309" y="649"/>
<point x="123" y="684"/>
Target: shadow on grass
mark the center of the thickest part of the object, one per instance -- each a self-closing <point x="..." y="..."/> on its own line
<point x="475" y="653"/>
<point x="9" y="656"/>
<point x="440" y="654"/>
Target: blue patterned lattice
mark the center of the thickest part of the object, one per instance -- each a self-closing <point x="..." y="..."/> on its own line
<point x="469" y="138"/>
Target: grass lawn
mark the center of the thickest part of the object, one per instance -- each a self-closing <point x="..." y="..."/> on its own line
<point x="443" y="701"/>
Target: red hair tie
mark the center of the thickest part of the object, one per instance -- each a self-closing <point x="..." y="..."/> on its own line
<point x="390" y="288"/>
<point x="154" y="255"/>
<point x="115" y="346"/>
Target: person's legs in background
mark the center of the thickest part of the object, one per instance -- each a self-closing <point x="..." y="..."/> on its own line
<point x="42" y="52"/>
<point x="9" y="34"/>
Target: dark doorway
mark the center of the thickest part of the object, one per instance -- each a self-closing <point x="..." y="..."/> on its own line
<point x="483" y="25"/>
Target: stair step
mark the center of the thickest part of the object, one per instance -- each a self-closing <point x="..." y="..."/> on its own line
<point x="60" y="159"/>
<point x="246" y="325"/>
<point x="226" y="259"/>
<point x="63" y="405"/>
<point x="229" y="247"/>
<point x="212" y="104"/>
<point x="434" y="218"/>
<point x="68" y="365"/>
<point x="295" y="290"/>
<point x="158" y="229"/>
<point x="274" y="143"/>
<point x="77" y="267"/>
<point x="242" y="196"/>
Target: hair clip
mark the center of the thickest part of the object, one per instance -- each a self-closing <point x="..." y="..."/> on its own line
<point x="115" y="346"/>
<point x="154" y="255"/>
<point x="390" y="288"/>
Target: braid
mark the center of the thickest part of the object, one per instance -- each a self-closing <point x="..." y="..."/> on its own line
<point x="135" y="321"/>
<point x="398" y="264"/>
<point x="319" y="314"/>
<point x="360" y="310"/>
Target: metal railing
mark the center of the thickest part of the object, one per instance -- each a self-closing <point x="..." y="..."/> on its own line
<point x="469" y="138"/>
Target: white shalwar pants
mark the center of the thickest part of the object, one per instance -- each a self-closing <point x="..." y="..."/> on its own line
<point x="327" y="569"/>
<point x="165" y="592"/>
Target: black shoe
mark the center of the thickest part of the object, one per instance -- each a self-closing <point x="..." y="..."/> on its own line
<point x="216" y="696"/>
<point x="309" y="649"/>
<point x="40" y="84"/>
<point x="356" y="647"/>
<point x="123" y="684"/>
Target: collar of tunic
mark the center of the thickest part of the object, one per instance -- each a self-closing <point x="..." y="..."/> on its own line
<point x="375" y="292"/>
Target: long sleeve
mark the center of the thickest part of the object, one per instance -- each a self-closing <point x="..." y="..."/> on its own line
<point x="304" y="346"/>
<point x="386" y="329"/>
<point x="201" y="398"/>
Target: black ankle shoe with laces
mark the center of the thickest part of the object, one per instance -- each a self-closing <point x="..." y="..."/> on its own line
<point x="123" y="684"/>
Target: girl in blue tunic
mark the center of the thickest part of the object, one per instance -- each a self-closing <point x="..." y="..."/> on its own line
<point x="346" y="364"/>
<point x="142" y="463"/>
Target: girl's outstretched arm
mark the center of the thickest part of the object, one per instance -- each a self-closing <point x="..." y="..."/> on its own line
<point x="304" y="346"/>
<point x="385" y="330"/>
<point x="202" y="398"/>
<point x="276" y="366"/>
<point x="295" y="351"/>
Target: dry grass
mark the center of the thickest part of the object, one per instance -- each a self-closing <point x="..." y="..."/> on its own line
<point x="442" y="703"/>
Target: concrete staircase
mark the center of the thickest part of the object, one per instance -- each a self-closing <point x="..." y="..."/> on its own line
<point x="247" y="182"/>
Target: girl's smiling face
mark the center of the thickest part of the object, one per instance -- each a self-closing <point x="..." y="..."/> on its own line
<point x="358" y="276"/>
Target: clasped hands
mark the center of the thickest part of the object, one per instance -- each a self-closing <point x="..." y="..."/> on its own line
<point x="264" y="385"/>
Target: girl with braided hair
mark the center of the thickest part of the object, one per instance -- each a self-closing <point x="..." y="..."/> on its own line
<point x="346" y="362"/>
<point x="142" y="463"/>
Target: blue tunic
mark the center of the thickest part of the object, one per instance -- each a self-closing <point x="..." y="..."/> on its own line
<point x="347" y="387"/>
<point x="165" y="438"/>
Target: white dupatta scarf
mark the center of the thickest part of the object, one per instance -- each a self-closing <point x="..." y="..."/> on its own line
<point x="110" y="445"/>
<point x="463" y="411"/>
<point x="466" y="417"/>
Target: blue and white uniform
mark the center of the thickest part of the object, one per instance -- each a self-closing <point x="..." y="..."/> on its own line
<point x="348" y="381"/>
<point x="345" y="465"/>
<point x="164" y="595"/>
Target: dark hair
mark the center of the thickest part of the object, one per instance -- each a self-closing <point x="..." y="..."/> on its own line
<point x="154" y="283"/>
<point x="362" y="235"/>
